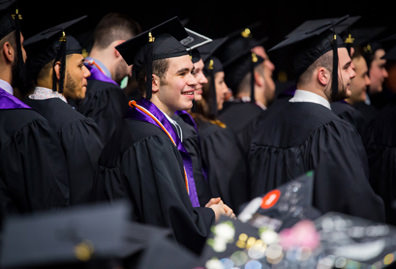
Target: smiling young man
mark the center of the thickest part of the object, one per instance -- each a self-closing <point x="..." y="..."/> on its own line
<point x="146" y="156"/>
<point x="304" y="134"/>
<point x="60" y="75"/>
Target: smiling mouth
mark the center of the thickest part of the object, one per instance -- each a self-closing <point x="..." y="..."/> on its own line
<point x="188" y="92"/>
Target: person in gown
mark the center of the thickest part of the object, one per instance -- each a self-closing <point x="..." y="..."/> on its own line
<point x="32" y="172"/>
<point x="304" y="134"/>
<point x="57" y="68"/>
<point x="146" y="156"/>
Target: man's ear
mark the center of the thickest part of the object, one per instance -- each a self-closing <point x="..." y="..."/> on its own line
<point x="57" y="69"/>
<point x="115" y="44"/>
<point x="8" y="52"/>
<point x="259" y="79"/>
<point x="323" y="76"/>
<point x="155" y="83"/>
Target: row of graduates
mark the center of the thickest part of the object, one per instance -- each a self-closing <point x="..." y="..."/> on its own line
<point x="169" y="157"/>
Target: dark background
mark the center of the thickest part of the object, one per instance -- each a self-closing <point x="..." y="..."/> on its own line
<point x="213" y="19"/>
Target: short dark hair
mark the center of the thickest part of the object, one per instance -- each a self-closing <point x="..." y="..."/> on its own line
<point x="326" y="61"/>
<point x="114" y="26"/>
<point x="159" y="68"/>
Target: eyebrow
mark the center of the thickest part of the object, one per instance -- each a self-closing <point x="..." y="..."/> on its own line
<point x="347" y="64"/>
<point x="183" y="70"/>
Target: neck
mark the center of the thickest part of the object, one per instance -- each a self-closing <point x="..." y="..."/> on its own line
<point x="6" y="74"/>
<point x="314" y="89"/>
<point x="165" y="109"/>
<point x="104" y="58"/>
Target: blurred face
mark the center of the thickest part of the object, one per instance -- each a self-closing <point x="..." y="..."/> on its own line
<point x="269" y="68"/>
<point x="346" y="73"/>
<point x="360" y="82"/>
<point x="76" y="77"/>
<point x="201" y="79"/>
<point x="221" y="89"/>
<point x="175" y="90"/>
<point x="377" y="72"/>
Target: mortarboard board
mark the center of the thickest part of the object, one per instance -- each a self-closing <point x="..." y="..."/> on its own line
<point x="311" y="40"/>
<point x="163" y="253"/>
<point x="193" y="42"/>
<point x="10" y="20"/>
<point x="359" y="242"/>
<point x="8" y="17"/>
<point x="159" y="42"/>
<point x="52" y="44"/>
<point x="284" y="206"/>
<point x="81" y="234"/>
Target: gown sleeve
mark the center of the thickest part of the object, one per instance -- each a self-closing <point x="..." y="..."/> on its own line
<point x="32" y="169"/>
<point x="152" y="171"/>
<point x="82" y="146"/>
<point x="227" y="167"/>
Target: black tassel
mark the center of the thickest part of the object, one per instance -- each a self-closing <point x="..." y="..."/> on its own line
<point x="254" y="60"/>
<point x="149" y="66"/>
<point x="60" y="56"/>
<point x="334" y="86"/>
<point x="212" y="93"/>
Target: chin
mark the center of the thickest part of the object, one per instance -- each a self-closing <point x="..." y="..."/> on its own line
<point x="198" y="97"/>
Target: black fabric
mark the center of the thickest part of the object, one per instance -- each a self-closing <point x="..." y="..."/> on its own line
<point x="151" y="170"/>
<point x="191" y="143"/>
<point x="81" y="144"/>
<point x="32" y="171"/>
<point x="297" y="137"/>
<point x="347" y="112"/>
<point x="106" y="104"/>
<point x="226" y="165"/>
<point x="237" y="116"/>
<point x="381" y="152"/>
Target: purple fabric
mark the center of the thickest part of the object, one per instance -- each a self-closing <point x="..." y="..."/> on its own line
<point x="8" y="101"/>
<point x="190" y="120"/>
<point x="138" y="115"/>
<point x="96" y="74"/>
<point x="187" y="118"/>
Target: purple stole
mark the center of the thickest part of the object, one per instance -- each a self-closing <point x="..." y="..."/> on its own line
<point x="8" y="101"/>
<point x="96" y="74"/>
<point x="190" y="120"/>
<point x="154" y="111"/>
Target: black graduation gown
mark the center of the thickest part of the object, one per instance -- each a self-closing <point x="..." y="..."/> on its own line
<point x="296" y="137"/>
<point x="237" y="116"/>
<point x="381" y="152"/>
<point x="192" y="144"/>
<point x="149" y="169"/>
<point x="226" y="165"/>
<point x="106" y="103"/>
<point x="80" y="140"/>
<point x="349" y="113"/>
<point x="32" y="171"/>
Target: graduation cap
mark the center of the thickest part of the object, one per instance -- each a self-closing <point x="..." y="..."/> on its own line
<point x="159" y="42"/>
<point x="78" y="235"/>
<point x="311" y="40"/>
<point x="9" y="17"/>
<point x="284" y="206"/>
<point x="359" y="242"/>
<point x="10" y="20"/>
<point x="52" y="44"/>
<point x="193" y="42"/>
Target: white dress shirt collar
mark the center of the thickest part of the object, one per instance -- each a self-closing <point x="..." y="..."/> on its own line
<point x="307" y="96"/>
<point x="6" y="86"/>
